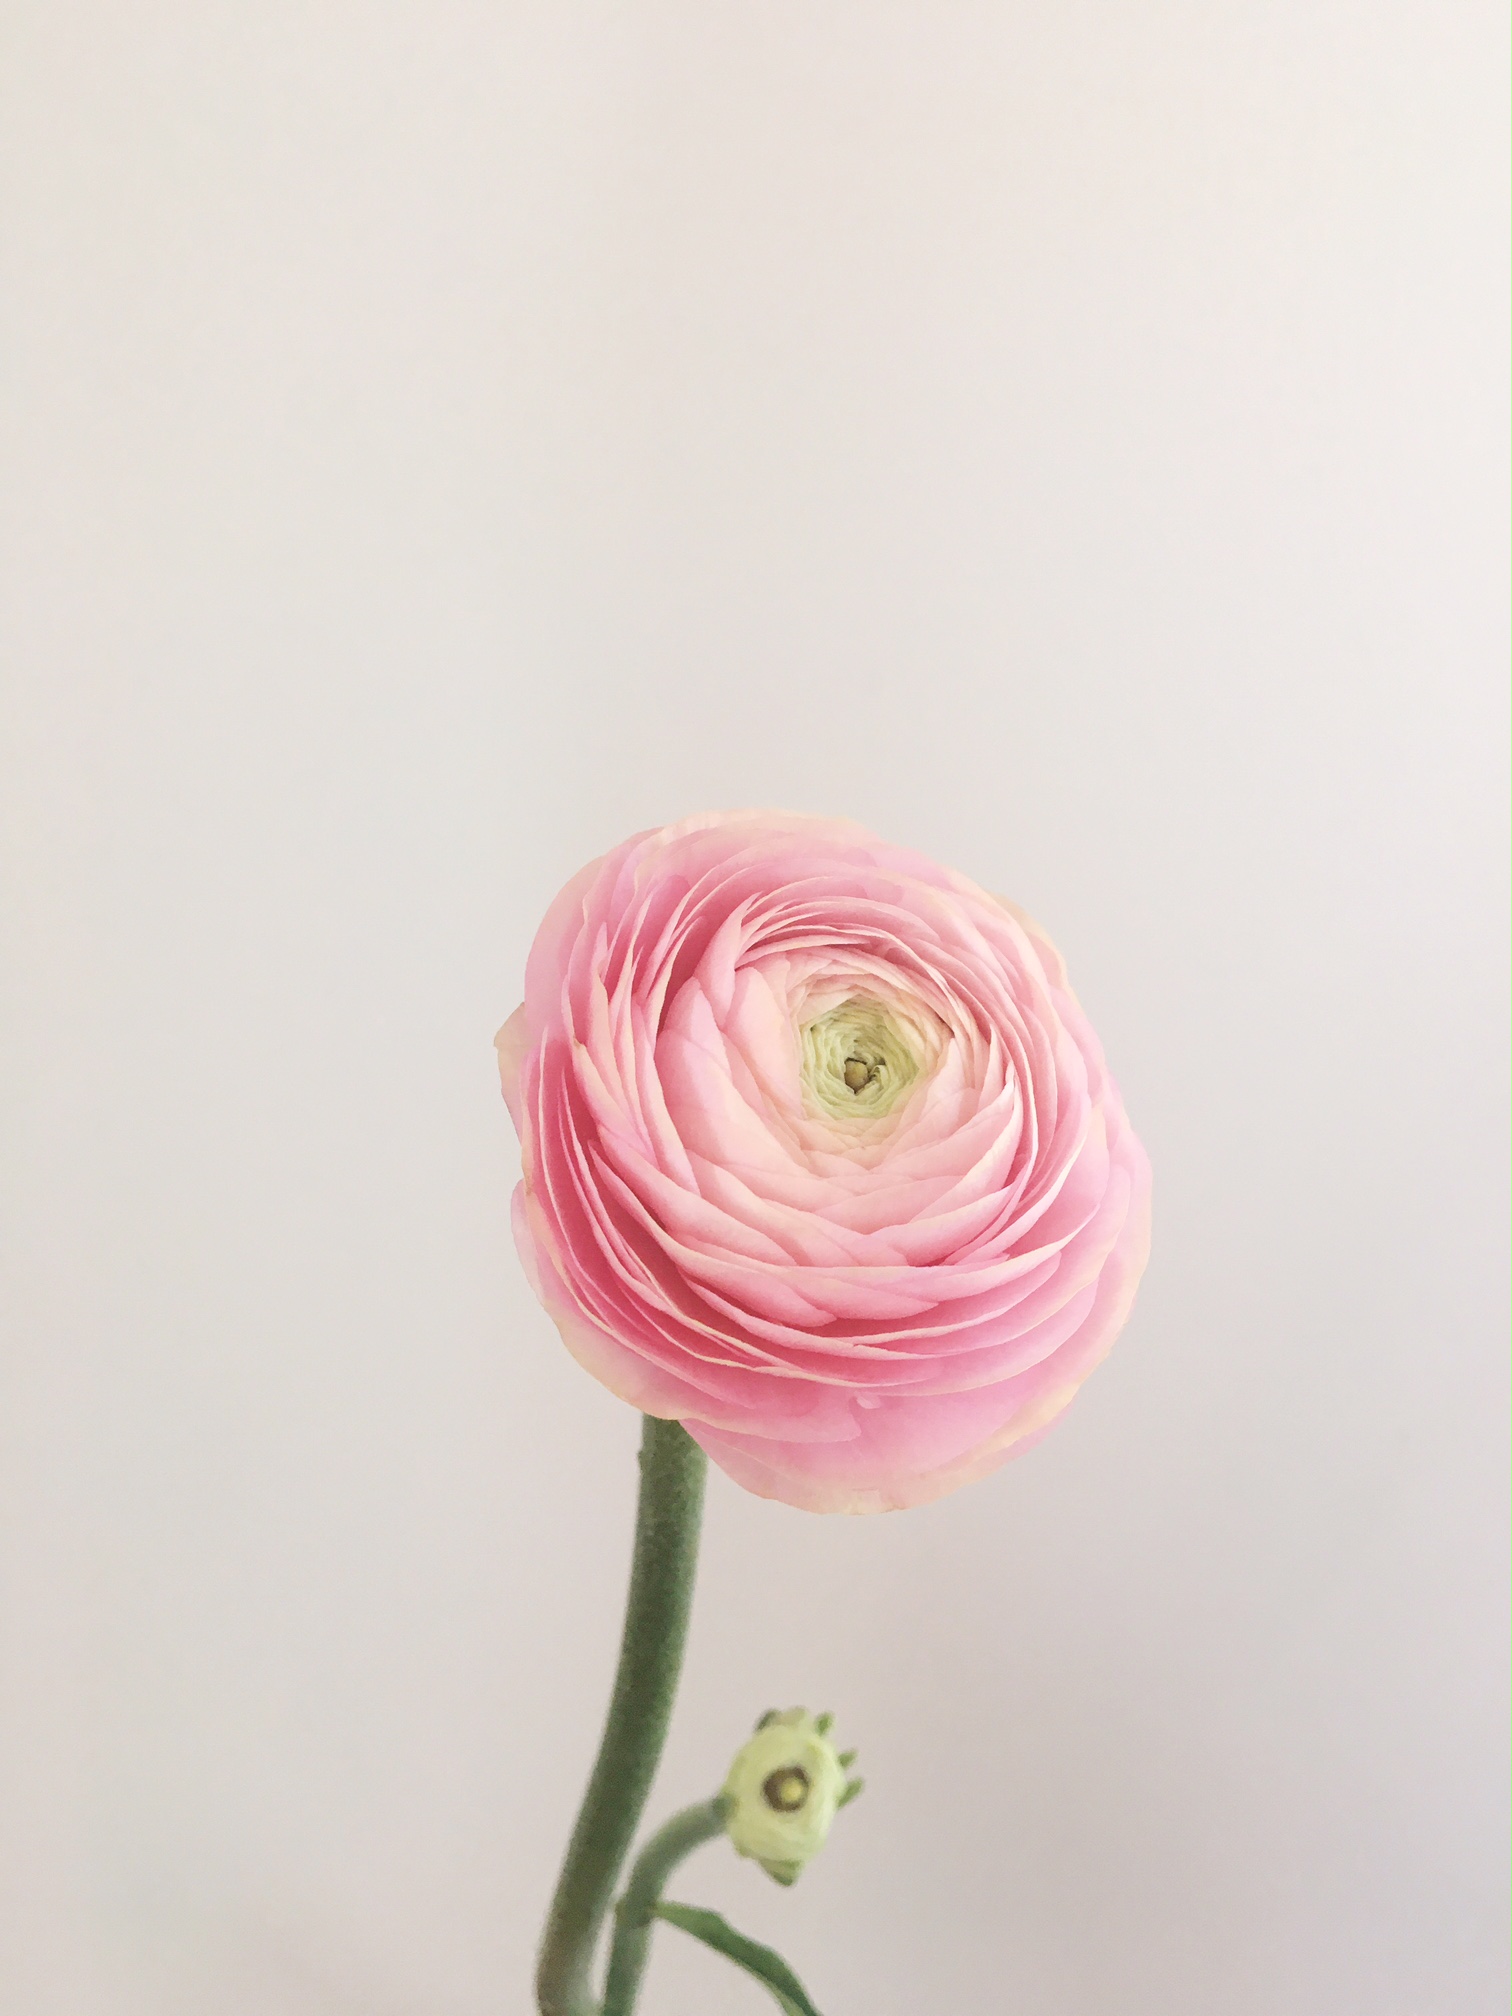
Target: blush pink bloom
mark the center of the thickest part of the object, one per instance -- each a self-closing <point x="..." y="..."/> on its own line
<point x="820" y="1157"/>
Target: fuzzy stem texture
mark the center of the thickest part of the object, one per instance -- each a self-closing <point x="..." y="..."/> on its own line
<point x="672" y="1468"/>
<point x="667" y="1847"/>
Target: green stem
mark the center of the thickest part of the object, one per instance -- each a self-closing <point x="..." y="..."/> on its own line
<point x="683" y="1833"/>
<point x="656" y="1625"/>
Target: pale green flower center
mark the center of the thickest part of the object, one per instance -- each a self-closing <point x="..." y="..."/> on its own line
<point x="857" y="1060"/>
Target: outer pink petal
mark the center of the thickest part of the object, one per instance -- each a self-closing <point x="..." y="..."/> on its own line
<point x="911" y="1451"/>
<point x="512" y="1043"/>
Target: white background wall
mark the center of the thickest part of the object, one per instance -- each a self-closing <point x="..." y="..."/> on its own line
<point x="440" y="439"/>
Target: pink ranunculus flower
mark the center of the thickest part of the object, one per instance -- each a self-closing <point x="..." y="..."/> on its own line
<point x="821" y="1157"/>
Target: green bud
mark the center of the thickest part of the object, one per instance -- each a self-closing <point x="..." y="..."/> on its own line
<point x="785" y="1787"/>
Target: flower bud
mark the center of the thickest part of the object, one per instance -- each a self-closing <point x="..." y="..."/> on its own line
<point x="784" y="1788"/>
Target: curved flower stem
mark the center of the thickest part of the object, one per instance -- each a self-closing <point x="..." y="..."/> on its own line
<point x="656" y="1625"/>
<point x="683" y="1833"/>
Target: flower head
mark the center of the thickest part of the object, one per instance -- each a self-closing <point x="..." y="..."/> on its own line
<point x="820" y="1157"/>
<point x="785" y="1787"/>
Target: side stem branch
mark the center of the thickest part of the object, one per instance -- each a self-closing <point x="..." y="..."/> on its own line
<point x="667" y="1847"/>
